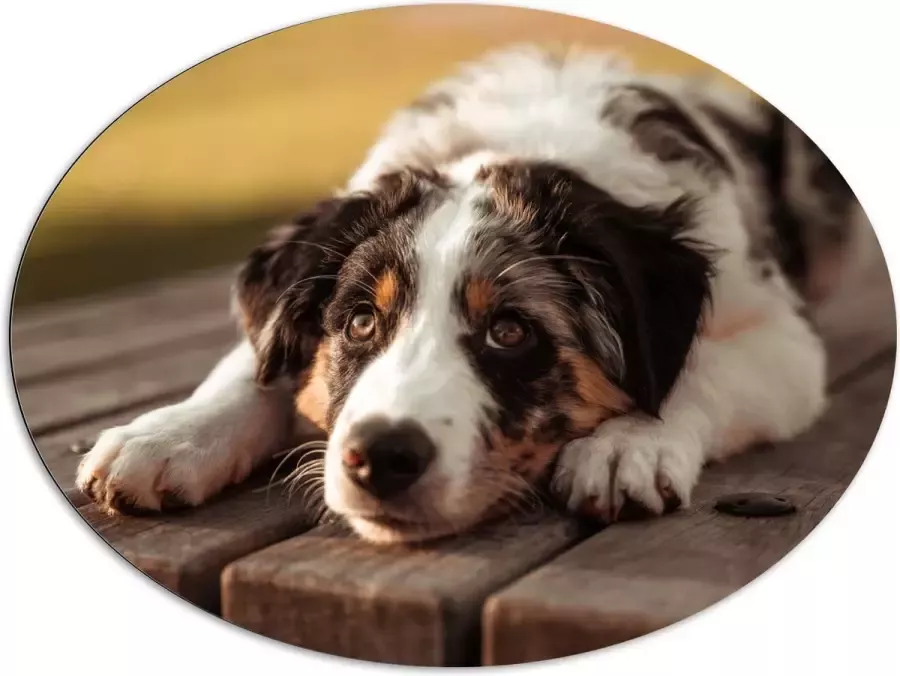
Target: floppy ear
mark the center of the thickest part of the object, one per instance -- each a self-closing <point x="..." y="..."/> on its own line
<point x="640" y="276"/>
<point x="650" y="284"/>
<point x="283" y="285"/>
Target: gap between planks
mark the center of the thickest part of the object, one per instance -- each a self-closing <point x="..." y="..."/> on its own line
<point x="55" y="405"/>
<point x="73" y="318"/>
<point x="194" y="571"/>
<point x="635" y="578"/>
<point x="329" y="592"/>
<point x="186" y="551"/>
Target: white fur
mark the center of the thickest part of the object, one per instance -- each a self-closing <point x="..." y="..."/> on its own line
<point x="765" y="382"/>
<point x="194" y="448"/>
<point x="423" y="375"/>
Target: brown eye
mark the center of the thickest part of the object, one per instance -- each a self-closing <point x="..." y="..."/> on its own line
<point x="507" y="332"/>
<point x="362" y="325"/>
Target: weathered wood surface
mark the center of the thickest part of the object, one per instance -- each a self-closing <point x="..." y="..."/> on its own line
<point x="634" y="578"/>
<point x="161" y="342"/>
<point x="163" y="300"/>
<point x="517" y="591"/>
<point x="81" y="367"/>
<point x="859" y="323"/>
<point x="328" y="591"/>
<point x="186" y="551"/>
<point x="404" y="608"/>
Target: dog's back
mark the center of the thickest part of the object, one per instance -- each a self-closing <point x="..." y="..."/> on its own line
<point x="590" y="111"/>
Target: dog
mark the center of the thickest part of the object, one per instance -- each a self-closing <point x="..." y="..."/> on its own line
<point x="549" y="271"/>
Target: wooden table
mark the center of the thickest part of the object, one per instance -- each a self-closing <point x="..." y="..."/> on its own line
<point x="530" y="589"/>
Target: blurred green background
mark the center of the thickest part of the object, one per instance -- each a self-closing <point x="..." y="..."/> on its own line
<point x="192" y="175"/>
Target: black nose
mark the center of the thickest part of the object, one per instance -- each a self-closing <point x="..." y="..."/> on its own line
<point x="385" y="458"/>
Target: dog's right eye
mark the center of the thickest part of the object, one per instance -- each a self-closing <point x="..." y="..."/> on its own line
<point x="361" y="326"/>
<point x="509" y="332"/>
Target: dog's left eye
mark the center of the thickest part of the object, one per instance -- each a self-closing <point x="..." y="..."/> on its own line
<point x="506" y="332"/>
<point x="361" y="326"/>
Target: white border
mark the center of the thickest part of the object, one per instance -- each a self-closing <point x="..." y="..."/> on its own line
<point x="74" y="607"/>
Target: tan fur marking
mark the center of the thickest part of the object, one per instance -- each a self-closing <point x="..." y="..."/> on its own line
<point x="525" y="457"/>
<point x="532" y="458"/>
<point x="599" y="398"/>
<point x="313" y="399"/>
<point x="479" y="296"/>
<point x="731" y="328"/>
<point x="386" y="291"/>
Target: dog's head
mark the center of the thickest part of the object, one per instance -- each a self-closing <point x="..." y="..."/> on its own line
<point x="451" y="337"/>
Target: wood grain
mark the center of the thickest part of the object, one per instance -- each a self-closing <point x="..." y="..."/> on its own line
<point x="86" y="366"/>
<point x="79" y="397"/>
<point x="859" y="323"/>
<point x="50" y="343"/>
<point x="83" y="366"/>
<point x="162" y="300"/>
<point x="53" y="360"/>
<point x="634" y="578"/>
<point x="328" y="591"/>
<point x="186" y="551"/>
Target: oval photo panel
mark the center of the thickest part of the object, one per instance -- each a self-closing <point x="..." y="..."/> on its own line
<point x="453" y="335"/>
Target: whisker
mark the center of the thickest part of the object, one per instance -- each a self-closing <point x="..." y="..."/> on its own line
<point x="313" y="278"/>
<point x="315" y="468"/>
<point x="309" y="447"/>
<point x="298" y="283"/>
<point x="580" y="259"/>
<point x="323" y="247"/>
<point x="516" y="492"/>
<point x="313" y="443"/>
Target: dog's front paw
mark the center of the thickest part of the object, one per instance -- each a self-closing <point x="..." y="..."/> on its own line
<point x="626" y="461"/>
<point x="166" y="458"/>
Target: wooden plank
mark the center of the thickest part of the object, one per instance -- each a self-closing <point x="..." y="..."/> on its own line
<point x="165" y="299"/>
<point x="634" y="578"/>
<point x="329" y="591"/>
<point x="186" y="551"/>
<point x="67" y="338"/>
<point x="54" y="405"/>
<point x="858" y="322"/>
<point x="51" y="360"/>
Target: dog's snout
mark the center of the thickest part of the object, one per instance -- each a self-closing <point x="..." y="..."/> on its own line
<point x="385" y="458"/>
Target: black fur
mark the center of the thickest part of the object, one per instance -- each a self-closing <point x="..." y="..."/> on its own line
<point x="599" y="256"/>
<point x="662" y="128"/>
<point x="808" y="200"/>
<point x="651" y="279"/>
<point x="295" y="273"/>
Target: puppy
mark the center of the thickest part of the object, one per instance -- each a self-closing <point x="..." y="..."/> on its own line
<point x="549" y="270"/>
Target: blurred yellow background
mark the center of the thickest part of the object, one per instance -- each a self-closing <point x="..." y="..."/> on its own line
<point x="192" y="174"/>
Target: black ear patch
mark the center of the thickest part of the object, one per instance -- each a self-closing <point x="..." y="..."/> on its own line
<point x="283" y="284"/>
<point x="636" y="267"/>
<point x="662" y="128"/>
<point x="660" y="286"/>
